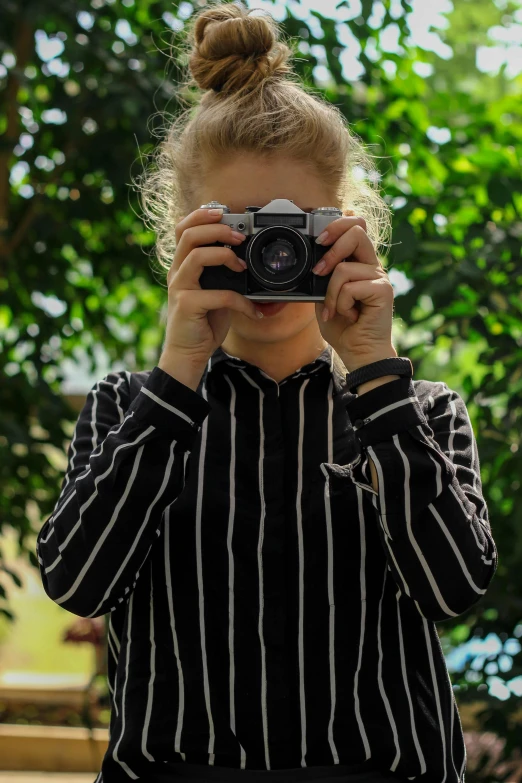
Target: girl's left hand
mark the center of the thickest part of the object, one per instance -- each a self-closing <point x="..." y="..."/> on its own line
<point x="359" y="297"/>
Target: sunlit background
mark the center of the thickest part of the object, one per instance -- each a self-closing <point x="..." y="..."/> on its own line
<point x="36" y="665"/>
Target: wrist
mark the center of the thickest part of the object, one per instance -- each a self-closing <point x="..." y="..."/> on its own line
<point x="373" y="384"/>
<point x="181" y="369"/>
<point x="352" y="363"/>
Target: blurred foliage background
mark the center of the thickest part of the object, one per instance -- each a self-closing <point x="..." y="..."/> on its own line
<point x="80" y="85"/>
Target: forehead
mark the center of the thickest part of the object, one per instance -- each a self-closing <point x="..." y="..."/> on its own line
<point x="250" y="180"/>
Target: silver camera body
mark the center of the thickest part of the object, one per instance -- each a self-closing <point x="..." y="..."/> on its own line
<point x="279" y="250"/>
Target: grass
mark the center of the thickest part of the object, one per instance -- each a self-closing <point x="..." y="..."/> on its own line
<point x="32" y="643"/>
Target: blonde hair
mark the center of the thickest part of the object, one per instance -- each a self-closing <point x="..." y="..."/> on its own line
<point x="247" y="99"/>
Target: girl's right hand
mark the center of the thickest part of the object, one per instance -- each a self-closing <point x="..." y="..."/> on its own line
<point x="198" y="319"/>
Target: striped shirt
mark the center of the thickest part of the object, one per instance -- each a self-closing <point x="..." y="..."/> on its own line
<point x="268" y="608"/>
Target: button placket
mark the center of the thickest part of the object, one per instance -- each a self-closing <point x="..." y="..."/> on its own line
<point x="351" y="466"/>
<point x="354" y="462"/>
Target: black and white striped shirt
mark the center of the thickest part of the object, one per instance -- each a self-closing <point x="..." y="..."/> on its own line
<point x="268" y="608"/>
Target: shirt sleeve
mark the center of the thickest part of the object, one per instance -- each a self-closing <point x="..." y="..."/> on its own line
<point x="433" y="518"/>
<point x="126" y="464"/>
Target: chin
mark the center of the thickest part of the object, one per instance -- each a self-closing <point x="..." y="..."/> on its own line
<point x="291" y="321"/>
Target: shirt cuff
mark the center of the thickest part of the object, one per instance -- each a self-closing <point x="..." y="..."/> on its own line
<point x="173" y="408"/>
<point x="385" y="411"/>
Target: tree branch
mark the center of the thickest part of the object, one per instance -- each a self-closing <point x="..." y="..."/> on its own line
<point x="23" y="47"/>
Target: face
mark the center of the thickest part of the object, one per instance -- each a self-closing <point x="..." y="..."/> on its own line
<point x="250" y="180"/>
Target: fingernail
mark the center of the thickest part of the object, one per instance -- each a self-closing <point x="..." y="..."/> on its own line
<point x="215" y="212"/>
<point x="243" y="264"/>
<point x="319" y="267"/>
<point x="238" y="235"/>
<point x="260" y="314"/>
<point x="322" y="238"/>
<point x="324" y="314"/>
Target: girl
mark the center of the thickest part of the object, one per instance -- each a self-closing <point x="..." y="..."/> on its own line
<point x="273" y="538"/>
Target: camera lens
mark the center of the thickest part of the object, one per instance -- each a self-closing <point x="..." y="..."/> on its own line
<point x="278" y="257"/>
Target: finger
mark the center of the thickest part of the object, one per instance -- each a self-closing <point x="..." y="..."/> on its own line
<point x="196" y="218"/>
<point x="338" y="227"/>
<point x="346" y="272"/>
<point x="354" y="242"/>
<point x="198" y="304"/>
<point x="371" y="293"/>
<point x="188" y="273"/>
<point x="207" y="234"/>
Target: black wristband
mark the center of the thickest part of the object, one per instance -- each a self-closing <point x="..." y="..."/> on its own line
<point x="396" y="365"/>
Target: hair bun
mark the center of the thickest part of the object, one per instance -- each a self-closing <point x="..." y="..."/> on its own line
<point x="232" y="50"/>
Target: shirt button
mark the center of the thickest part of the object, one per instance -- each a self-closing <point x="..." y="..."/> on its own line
<point x="358" y="423"/>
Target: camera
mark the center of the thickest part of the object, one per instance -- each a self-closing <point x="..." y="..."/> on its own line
<point x="279" y="251"/>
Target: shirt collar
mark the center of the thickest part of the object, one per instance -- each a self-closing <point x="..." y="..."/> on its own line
<point x="220" y="358"/>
